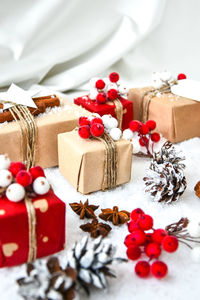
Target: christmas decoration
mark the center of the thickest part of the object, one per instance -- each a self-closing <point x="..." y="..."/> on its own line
<point x="142" y="138"/>
<point x="48" y="281"/>
<point x="165" y="180"/>
<point x="30" y="237"/>
<point x="115" y="216"/>
<point x="96" y="229"/>
<point x="106" y="96"/>
<point x="172" y="98"/>
<point x="197" y="189"/>
<point x="140" y="240"/>
<point x="91" y="260"/>
<point x="4" y="162"/>
<point x="84" y="209"/>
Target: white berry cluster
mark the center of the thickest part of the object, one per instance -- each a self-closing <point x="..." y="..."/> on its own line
<point x="111" y="126"/>
<point x="162" y="79"/>
<point x="133" y="137"/>
<point x="9" y="182"/>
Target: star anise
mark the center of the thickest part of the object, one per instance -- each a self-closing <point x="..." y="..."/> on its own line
<point x="84" y="209"/>
<point x="197" y="189"/>
<point x="115" y="216"/>
<point x="96" y="229"/>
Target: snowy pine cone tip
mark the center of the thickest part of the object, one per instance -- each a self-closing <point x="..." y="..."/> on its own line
<point x="165" y="180"/>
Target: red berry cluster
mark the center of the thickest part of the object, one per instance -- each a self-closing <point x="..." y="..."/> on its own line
<point x="89" y="128"/>
<point x="111" y="94"/>
<point x="150" y="243"/>
<point x="24" y="177"/>
<point x="145" y="132"/>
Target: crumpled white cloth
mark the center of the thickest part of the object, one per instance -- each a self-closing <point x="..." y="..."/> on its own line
<point x="61" y="44"/>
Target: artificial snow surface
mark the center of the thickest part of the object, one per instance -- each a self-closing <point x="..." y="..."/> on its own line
<point x="183" y="278"/>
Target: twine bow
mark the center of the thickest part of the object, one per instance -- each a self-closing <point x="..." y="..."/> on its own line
<point x="28" y="129"/>
<point x="144" y="105"/>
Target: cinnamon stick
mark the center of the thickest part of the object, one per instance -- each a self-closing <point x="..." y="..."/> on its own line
<point x="41" y="102"/>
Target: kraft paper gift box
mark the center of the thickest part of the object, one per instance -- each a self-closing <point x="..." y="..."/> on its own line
<point x="177" y="118"/>
<point x="82" y="161"/>
<point x="108" y="108"/>
<point x="14" y="228"/>
<point x="48" y="127"/>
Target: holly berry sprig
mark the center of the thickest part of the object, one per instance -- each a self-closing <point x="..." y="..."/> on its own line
<point x="141" y="135"/>
<point x="96" y="126"/>
<point x="141" y="241"/>
<point x="164" y="80"/>
<point x="16" y="181"/>
<point x="107" y="89"/>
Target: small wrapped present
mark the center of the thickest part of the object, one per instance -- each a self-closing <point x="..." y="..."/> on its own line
<point x="36" y="137"/>
<point x="29" y="214"/>
<point x="97" y="162"/>
<point x="107" y="96"/>
<point x="177" y="117"/>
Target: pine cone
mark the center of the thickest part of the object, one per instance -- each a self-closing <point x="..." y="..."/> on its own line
<point x="91" y="260"/>
<point x="165" y="180"/>
<point x="47" y="281"/>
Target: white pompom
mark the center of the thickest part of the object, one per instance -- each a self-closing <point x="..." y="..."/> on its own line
<point x="127" y="134"/>
<point x="41" y="186"/>
<point x="15" y="192"/>
<point x="94" y="115"/>
<point x="122" y="90"/>
<point x="136" y="146"/>
<point x="92" y="82"/>
<point x="111" y="123"/>
<point x="5" y="178"/>
<point x="194" y="228"/>
<point x="166" y="76"/>
<point x="111" y="86"/>
<point x="93" y="94"/>
<point x="157" y="84"/>
<point x="115" y="134"/>
<point x="4" y="162"/>
<point x="156" y="76"/>
<point x="195" y="253"/>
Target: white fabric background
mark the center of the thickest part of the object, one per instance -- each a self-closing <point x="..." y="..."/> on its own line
<point x="61" y="44"/>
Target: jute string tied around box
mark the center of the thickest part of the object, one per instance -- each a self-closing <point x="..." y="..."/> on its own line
<point x="147" y="97"/>
<point x="110" y="162"/>
<point x="119" y="112"/>
<point x="28" y="129"/>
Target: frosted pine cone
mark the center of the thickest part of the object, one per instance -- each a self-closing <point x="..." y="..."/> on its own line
<point x="165" y="180"/>
<point x="90" y="258"/>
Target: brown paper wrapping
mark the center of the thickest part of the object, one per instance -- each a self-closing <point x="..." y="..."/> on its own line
<point x="177" y="118"/>
<point x="48" y="127"/>
<point x="82" y="161"/>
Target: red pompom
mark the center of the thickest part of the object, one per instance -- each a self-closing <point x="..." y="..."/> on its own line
<point x="83" y="121"/>
<point x="36" y="172"/>
<point x="181" y="76"/>
<point x="101" y="98"/>
<point x="155" y="137"/>
<point x="153" y="250"/>
<point x="100" y="84"/>
<point x="133" y="252"/>
<point x="24" y="178"/>
<point x="170" y="243"/>
<point x="96" y="120"/>
<point x="97" y="130"/>
<point x="136" y="213"/>
<point x="84" y="132"/>
<point x="112" y="94"/>
<point x="142" y="268"/>
<point x="158" y="235"/>
<point x="114" y="77"/>
<point x="138" y="237"/>
<point x="132" y="226"/>
<point x="135" y="125"/>
<point x="144" y="129"/>
<point x="145" y="222"/>
<point x="15" y="167"/>
<point x="151" y="124"/>
<point x="159" y="269"/>
<point x="144" y="141"/>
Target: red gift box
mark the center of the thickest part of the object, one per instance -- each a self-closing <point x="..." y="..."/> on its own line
<point x="14" y="228"/>
<point x="108" y="108"/>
